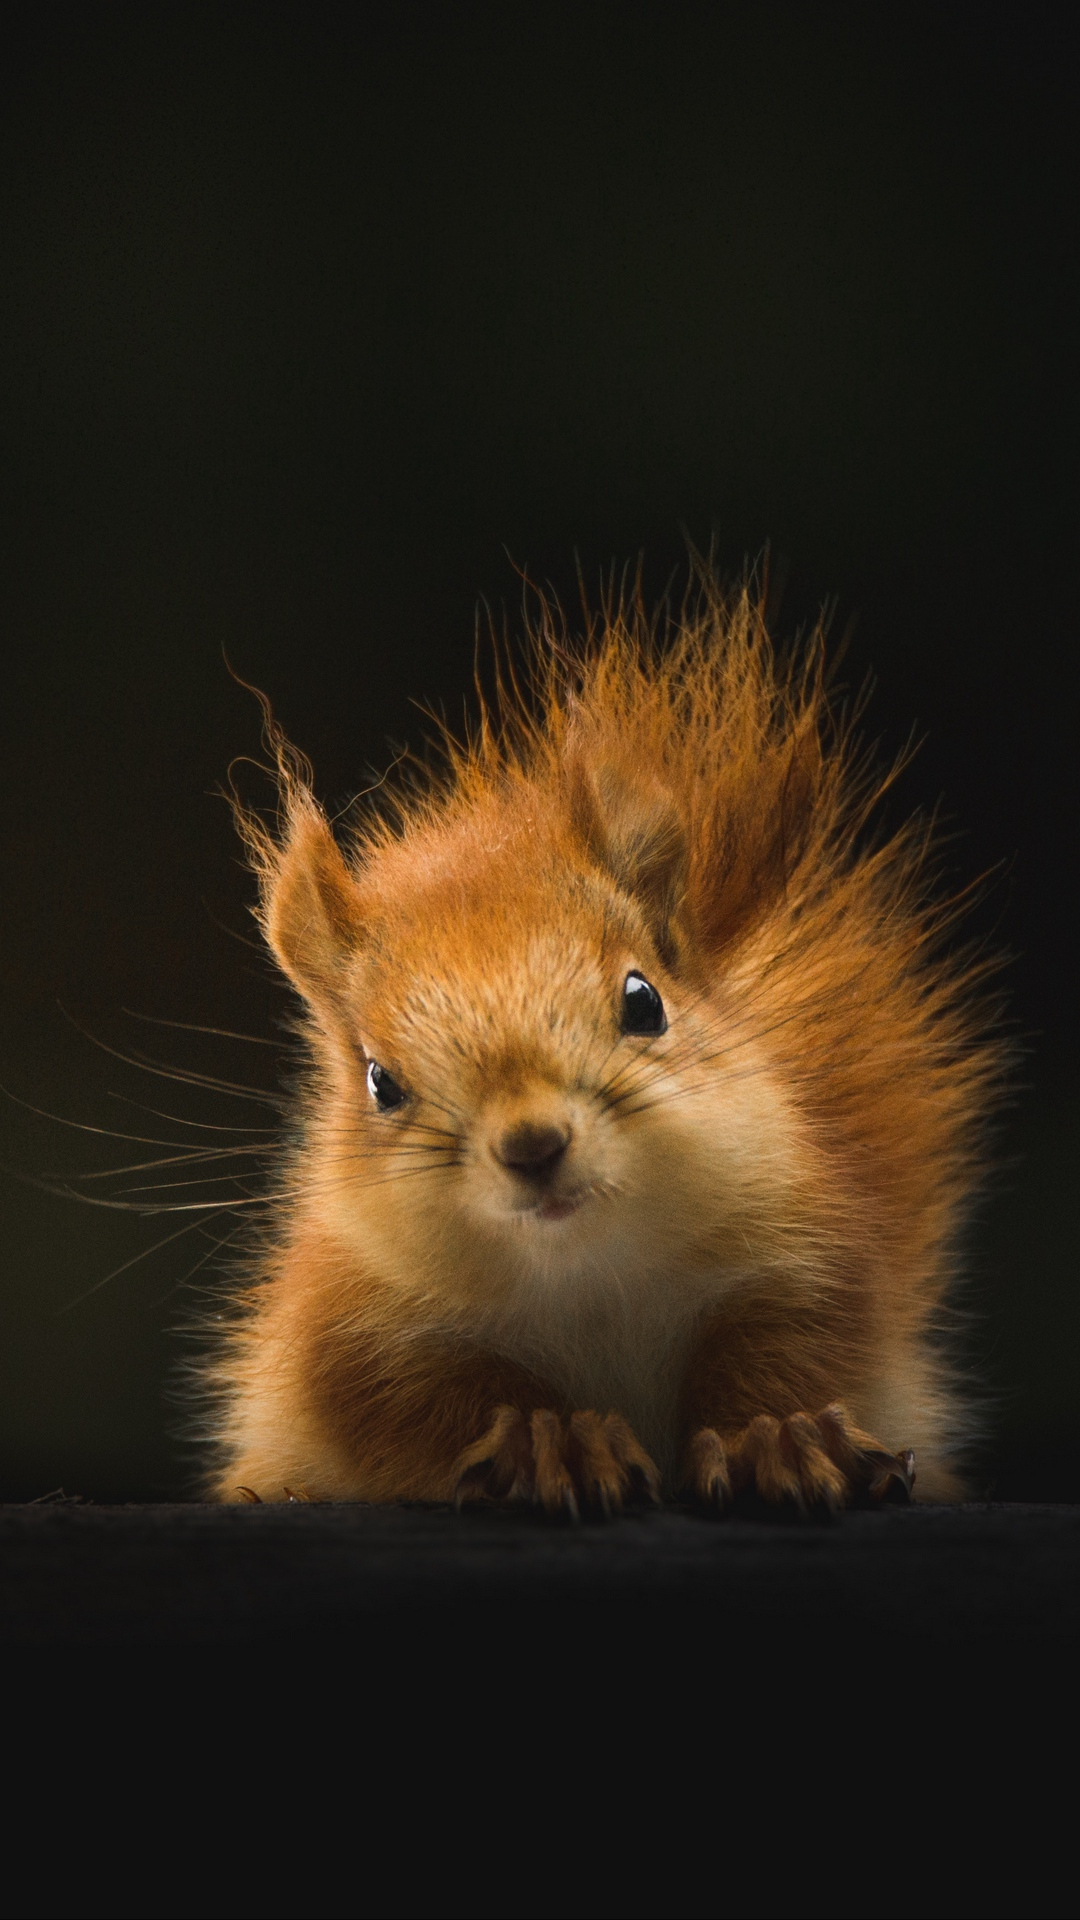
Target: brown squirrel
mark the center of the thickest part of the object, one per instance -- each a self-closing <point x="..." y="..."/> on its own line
<point x="643" y="1101"/>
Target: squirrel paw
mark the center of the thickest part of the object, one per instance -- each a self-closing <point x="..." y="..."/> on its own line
<point x="589" y="1461"/>
<point x="819" y="1460"/>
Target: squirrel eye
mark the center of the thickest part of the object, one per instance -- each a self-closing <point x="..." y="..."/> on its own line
<point x="383" y="1088"/>
<point x="642" y="1007"/>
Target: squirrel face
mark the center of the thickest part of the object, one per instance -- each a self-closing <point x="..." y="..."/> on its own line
<point x="514" y="1047"/>
<point x="514" y="1083"/>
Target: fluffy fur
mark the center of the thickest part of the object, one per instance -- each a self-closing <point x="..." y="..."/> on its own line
<point x="728" y="1271"/>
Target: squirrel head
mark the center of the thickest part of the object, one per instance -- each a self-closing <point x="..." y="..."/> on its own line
<point x="512" y="1039"/>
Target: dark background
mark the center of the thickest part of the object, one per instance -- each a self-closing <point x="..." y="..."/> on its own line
<point x="312" y="316"/>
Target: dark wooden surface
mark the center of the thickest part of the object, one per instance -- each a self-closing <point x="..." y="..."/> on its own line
<point x="73" y="1572"/>
<point x="402" y="1711"/>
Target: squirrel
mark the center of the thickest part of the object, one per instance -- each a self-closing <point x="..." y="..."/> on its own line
<point x="644" y="1101"/>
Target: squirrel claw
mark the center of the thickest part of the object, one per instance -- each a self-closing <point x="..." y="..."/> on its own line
<point x="588" y="1463"/>
<point x="804" y="1463"/>
<point x="893" y="1484"/>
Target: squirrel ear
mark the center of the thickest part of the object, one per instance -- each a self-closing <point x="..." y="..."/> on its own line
<point x="632" y="825"/>
<point x="310" y="907"/>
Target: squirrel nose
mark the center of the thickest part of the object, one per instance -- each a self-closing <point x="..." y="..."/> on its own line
<point x="529" y="1148"/>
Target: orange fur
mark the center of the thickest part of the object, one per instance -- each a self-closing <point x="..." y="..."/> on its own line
<point x="739" y="1222"/>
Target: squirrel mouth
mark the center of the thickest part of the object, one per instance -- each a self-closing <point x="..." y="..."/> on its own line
<point x="558" y="1209"/>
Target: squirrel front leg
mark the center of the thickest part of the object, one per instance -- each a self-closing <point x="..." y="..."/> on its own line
<point x="429" y="1418"/>
<point x="763" y="1416"/>
<point x="364" y="1412"/>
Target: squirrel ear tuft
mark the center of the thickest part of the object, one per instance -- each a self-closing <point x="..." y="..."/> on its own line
<point x="310" y="906"/>
<point x="633" y="826"/>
